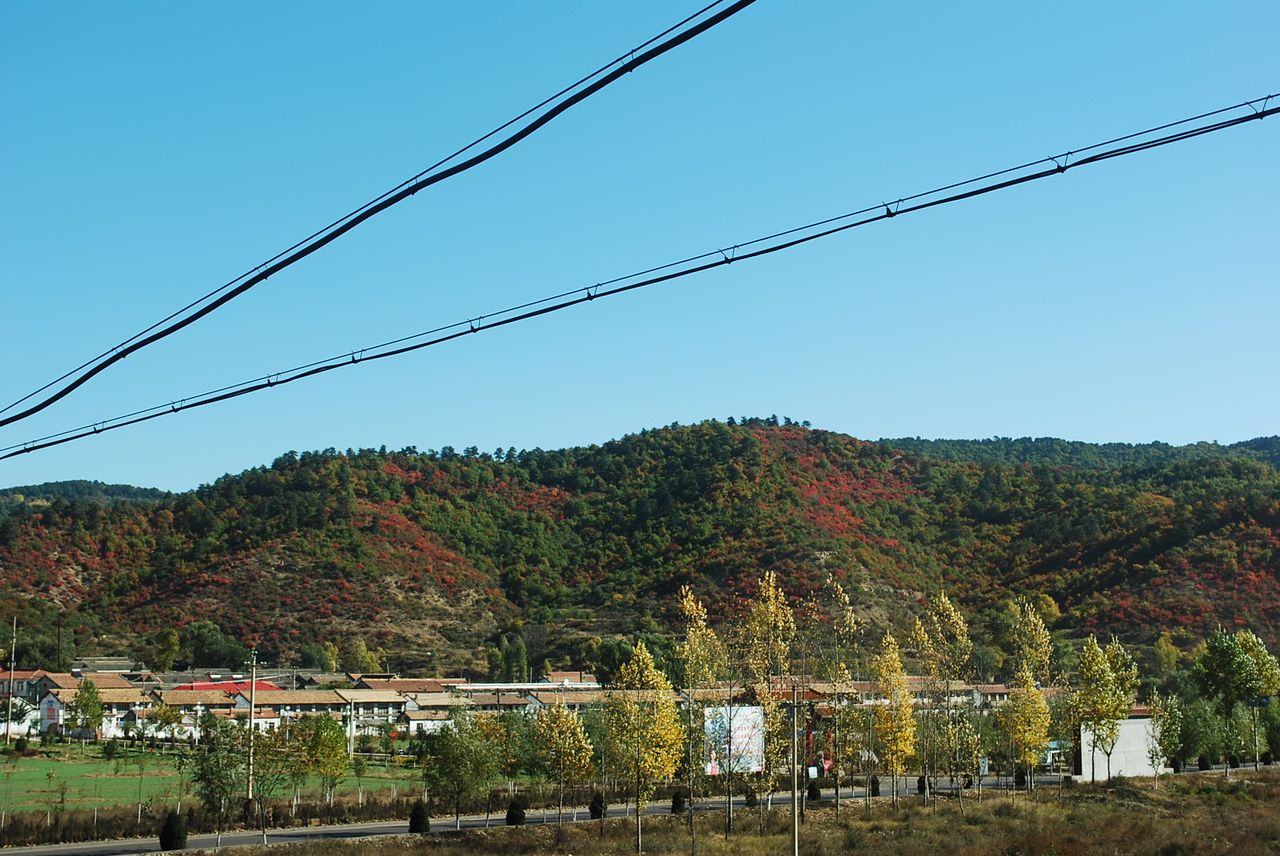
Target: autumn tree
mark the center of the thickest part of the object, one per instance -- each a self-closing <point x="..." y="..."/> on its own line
<point x="85" y="710"/>
<point x="356" y="656"/>
<point x="564" y="750"/>
<point x="768" y="639"/>
<point x="1227" y="675"/>
<point x="703" y="661"/>
<point x="1166" y="655"/>
<point x="164" y="649"/>
<point x="1025" y="719"/>
<point x="1268" y="678"/>
<point x="464" y="762"/>
<point x="942" y="643"/>
<point x="165" y="718"/>
<point x="643" y="726"/>
<point x="1108" y="679"/>
<point x="835" y="667"/>
<point x="512" y="734"/>
<point x="895" y="724"/>
<point x="218" y="770"/>
<point x="322" y="744"/>
<point x="276" y="763"/>
<point x="1164" y="739"/>
<point x="1032" y="643"/>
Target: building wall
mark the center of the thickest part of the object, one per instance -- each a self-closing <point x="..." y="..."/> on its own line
<point x="1129" y="758"/>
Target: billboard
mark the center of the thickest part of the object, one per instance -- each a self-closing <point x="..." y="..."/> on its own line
<point x="735" y="739"/>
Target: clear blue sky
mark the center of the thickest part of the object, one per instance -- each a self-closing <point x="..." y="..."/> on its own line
<point x="151" y="151"/>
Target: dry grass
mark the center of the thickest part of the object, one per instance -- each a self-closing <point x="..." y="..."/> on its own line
<point x="1187" y="815"/>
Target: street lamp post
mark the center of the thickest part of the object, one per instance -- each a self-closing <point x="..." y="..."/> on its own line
<point x="795" y="784"/>
<point x="13" y="654"/>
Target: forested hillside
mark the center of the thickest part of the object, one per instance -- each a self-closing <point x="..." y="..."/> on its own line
<point x="434" y="556"/>
<point x="77" y="489"/>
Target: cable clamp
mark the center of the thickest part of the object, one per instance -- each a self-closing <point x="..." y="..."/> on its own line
<point x="730" y="254"/>
<point x="472" y="324"/>
<point x="592" y="290"/>
<point x="891" y="211"/>
<point x="1062" y="164"/>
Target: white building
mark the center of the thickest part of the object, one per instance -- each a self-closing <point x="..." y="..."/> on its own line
<point x="1128" y="758"/>
<point x="116" y="704"/>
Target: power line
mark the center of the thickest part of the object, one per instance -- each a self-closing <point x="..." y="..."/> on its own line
<point x="234" y="288"/>
<point x="1035" y="170"/>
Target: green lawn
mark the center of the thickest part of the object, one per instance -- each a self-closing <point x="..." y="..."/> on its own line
<point x="89" y="781"/>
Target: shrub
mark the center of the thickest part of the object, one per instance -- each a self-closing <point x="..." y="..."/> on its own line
<point x="752" y="800"/>
<point x="875" y="786"/>
<point x="814" y="793"/>
<point x="173" y="832"/>
<point x="515" y="812"/>
<point x="677" y="801"/>
<point x="20" y="745"/>
<point x="597" y="807"/>
<point x="418" y="821"/>
<point x="110" y="749"/>
<point x="920" y="784"/>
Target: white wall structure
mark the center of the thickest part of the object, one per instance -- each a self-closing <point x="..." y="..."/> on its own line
<point x="1129" y="758"/>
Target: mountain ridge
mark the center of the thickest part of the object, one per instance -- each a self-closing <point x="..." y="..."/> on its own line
<point x="435" y="554"/>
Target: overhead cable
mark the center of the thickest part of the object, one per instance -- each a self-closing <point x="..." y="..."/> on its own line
<point x="1035" y="170"/>
<point x="222" y="295"/>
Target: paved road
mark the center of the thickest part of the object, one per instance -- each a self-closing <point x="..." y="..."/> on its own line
<point x="243" y="838"/>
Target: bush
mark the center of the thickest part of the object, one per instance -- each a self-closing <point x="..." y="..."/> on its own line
<point x="875" y="786"/>
<point x="677" y="801"/>
<point x="20" y="745"/>
<point x="597" y="807"/>
<point x="110" y="749"/>
<point x="515" y="812"/>
<point x="752" y="800"/>
<point x="814" y="793"/>
<point x="173" y="832"/>
<point x="419" y="823"/>
<point x="920" y="784"/>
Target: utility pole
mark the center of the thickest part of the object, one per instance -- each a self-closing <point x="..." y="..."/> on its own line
<point x="835" y="749"/>
<point x="253" y="700"/>
<point x="688" y="700"/>
<point x="795" y="789"/>
<point x="13" y="654"/>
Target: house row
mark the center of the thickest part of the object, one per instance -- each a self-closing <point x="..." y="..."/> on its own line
<point x="416" y="705"/>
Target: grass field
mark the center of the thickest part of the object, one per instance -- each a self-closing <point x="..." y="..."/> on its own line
<point x="62" y="777"/>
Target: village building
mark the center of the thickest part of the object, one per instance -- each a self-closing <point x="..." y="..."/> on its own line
<point x="116" y="704"/>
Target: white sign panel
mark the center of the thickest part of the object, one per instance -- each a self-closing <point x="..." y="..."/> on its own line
<point x="735" y="739"/>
